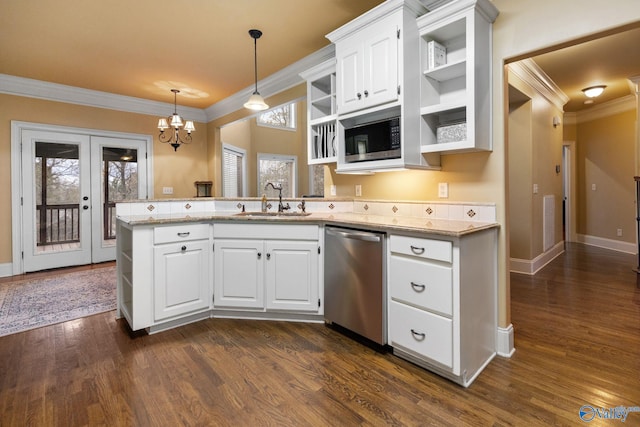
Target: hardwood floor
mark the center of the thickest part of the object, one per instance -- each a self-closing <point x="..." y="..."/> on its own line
<point x="577" y="330"/>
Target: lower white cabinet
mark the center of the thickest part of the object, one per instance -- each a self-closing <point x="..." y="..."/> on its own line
<point x="181" y="273"/>
<point x="278" y="272"/>
<point x="442" y="302"/>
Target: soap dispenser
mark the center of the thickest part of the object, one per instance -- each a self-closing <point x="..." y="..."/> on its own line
<point x="264" y="203"/>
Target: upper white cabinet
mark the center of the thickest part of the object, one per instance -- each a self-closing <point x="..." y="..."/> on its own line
<point x="377" y="79"/>
<point x="455" y="86"/>
<point x="321" y="113"/>
<point x="367" y="65"/>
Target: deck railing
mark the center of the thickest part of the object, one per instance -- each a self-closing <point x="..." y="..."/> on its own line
<point x="60" y="223"/>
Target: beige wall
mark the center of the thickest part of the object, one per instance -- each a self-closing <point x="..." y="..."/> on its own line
<point x="246" y="134"/>
<point x="175" y="169"/>
<point x="606" y="153"/>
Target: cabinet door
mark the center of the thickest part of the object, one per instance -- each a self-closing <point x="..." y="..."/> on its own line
<point x="292" y="276"/>
<point x="381" y="67"/>
<point x="239" y="275"/>
<point x="349" y="72"/>
<point x="181" y="278"/>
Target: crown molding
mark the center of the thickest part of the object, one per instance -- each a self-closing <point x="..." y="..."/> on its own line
<point x="21" y="86"/>
<point x="271" y="85"/>
<point x="616" y="106"/>
<point x="444" y="10"/>
<point x="534" y="76"/>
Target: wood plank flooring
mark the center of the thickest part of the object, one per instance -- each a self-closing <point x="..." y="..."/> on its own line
<point x="577" y="329"/>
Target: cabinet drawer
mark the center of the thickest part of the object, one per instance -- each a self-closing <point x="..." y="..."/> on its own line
<point x="180" y="233"/>
<point x="421" y="284"/>
<point x="421" y="332"/>
<point x="439" y="250"/>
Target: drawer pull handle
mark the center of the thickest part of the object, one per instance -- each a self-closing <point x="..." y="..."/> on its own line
<point x="416" y="250"/>
<point x="418" y="335"/>
<point x="184" y="234"/>
<point x="418" y="287"/>
<point x="184" y="248"/>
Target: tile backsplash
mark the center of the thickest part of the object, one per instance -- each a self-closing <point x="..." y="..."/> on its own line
<point x="460" y="211"/>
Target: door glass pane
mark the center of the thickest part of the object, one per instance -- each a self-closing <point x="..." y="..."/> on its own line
<point x="119" y="183"/>
<point x="57" y="192"/>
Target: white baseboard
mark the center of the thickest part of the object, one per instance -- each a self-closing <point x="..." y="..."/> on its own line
<point x="504" y="341"/>
<point x="601" y="242"/>
<point x="6" y="270"/>
<point x="526" y="266"/>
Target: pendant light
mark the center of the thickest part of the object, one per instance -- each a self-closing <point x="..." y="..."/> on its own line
<point x="255" y="102"/>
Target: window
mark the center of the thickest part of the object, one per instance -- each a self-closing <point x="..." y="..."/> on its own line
<point x="283" y="117"/>
<point x="233" y="171"/>
<point x="280" y="170"/>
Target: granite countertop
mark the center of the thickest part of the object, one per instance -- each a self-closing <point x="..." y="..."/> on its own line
<point x="453" y="228"/>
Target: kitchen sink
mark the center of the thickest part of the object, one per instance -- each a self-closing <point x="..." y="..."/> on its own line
<point x="269" y="214"/>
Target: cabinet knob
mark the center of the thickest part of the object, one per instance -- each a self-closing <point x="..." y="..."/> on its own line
<point x="366" y="93"/>
<point x="184" y="248"/>
<point x="268" y="255"/>
<point x="259" y="255"/>
<point x="359" y="95"/>
<point x="418" y="335"/>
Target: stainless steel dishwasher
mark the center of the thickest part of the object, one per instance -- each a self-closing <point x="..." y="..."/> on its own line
<point x="354" y="278"/>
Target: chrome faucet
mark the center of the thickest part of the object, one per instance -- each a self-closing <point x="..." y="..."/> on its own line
<point x="281" y="207"/>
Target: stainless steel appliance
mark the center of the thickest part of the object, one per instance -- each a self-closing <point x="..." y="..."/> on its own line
<point x="354" y="275"/>
<point x="376" y="140"/>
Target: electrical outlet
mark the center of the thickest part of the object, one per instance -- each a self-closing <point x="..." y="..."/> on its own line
<point x="535" y="188"/>
<point x="358" y="190"/>
<point x="593" y="187"/>
<point x="333" y="190"/>
<point x="443" y="190"/>
<point x="619" y="232"/>
<point x="167" y="190"/>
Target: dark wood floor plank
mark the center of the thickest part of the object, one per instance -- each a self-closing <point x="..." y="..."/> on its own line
<point x="577" y="329"/>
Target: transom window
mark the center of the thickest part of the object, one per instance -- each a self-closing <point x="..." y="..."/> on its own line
<point x="282" y="117"/>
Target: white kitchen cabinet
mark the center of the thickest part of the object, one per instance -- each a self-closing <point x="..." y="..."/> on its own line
<point x="377" y="79"/>
<point x="181" y="270"/>
<point x="367" y="64"/>
<point x="322" y="144"/>
<point x="239" y="277"/>
<point x="292" y="276"/>
<point x="164" y="273"/>
<point x="267" y="267"/>
<point x="455" y="96"/>
<point x="442" y="302"/>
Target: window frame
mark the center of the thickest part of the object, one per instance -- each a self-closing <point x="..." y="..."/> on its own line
<point x="292" y="113"/>
<point x="281" y="157"/>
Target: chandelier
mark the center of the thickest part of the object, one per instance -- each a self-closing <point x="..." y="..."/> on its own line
<point x="255" y="102"/>
<point x="175" y="139"/>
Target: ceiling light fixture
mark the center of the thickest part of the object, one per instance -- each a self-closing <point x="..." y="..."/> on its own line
<point x="175" y="121"/>
<point x="255" y="102"/>
<point x="593" y="91"/>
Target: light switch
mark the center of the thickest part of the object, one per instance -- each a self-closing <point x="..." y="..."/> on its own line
<point x="593" y="187"/>
<point x="535" y="188"/>
<point x="167" y="190"/>
<point x="358" y="190"/>
<point x="443" y="190"/>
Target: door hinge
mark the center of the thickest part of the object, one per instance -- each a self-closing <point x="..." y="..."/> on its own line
<point x="146" y="155"/>
<point x="213" y="298"/>
<point x="213" y="247"/>
<point x="21" y="201"/>
<point x="22" y="254"/>
<point x="398" y="89"/>
<point x="318" y="250"/>
<point x="398" y="34"/>
<point x="318" y="302"/>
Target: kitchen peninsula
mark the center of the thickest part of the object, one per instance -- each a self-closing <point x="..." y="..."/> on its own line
<point x="181" y="261"/>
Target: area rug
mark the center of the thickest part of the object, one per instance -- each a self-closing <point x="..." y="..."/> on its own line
<point x="31" y="304"/>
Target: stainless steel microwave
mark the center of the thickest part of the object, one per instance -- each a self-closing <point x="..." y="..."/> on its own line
<point x="379" y="140"/>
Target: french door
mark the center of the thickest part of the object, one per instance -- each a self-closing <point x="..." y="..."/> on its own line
<point x="69" y="184"/>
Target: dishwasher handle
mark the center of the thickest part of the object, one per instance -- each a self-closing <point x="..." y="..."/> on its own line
<point x="355" y="235"/>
